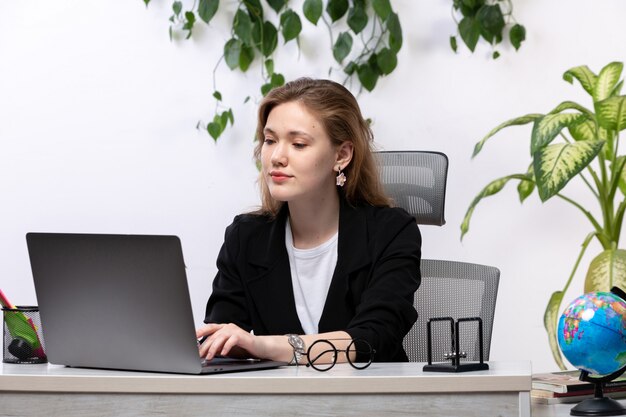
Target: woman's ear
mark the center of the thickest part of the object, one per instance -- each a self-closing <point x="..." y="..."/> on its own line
<point x="344" y="154"/>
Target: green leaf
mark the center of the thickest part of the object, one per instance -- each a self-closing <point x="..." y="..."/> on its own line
<point x="336" y="9"/>
<point x="277" y="80"/>
<point x="547" y="127"/>
<point x="453" y="44"/>
<point x="556" y="164"/>
<point x="269" y="66"/>
<point x="266" y="88"/>
<point x="492" y="188"/>
<point x="622" y="177"/>
<point x="350" y="68"/>
<point x="207" y="9"/>
<point x="246" y="57"/>
<point x="585" y="130"/>
<point x="382" y="8"/>
<point x="342" y="46"/>
<point x="607" y="80"/>
<point x="367" y="76"/>
<point x="190" y="20"/>
<point x="254" y="9"/>
<point x="270" y="38"/>
<point x="217" y="95"/>
<point x="242" y="25"/>
<point x="491" y="21"/>
<point x="231" y="117"/>
<point x="526" y="186"/>
<point x="357" y="19"/>
<point x="146" y="2"/>
<point x="607" y="270"/>
<point x="290" y="24"/>
<point x="469" y="29"/>
<point x="517" y="35"/>
<point x="550" y="318"/>
<point x="277" y="4"/>
<point x="496" y="55"/>
<point x="312" y="10"/>
<point x="571" y="105"/>
<point x="386" y="60"/>
<point x="395" y="32"/>
<point x="214" y="129"/>
<point x="611" y="113"/>
<point x="232" y="51"/>
<point x="177" y="7"/>
<point x="585" y="77"/>
<point x="513" y="122"/>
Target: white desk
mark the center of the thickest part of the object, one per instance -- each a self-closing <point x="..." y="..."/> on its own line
<point x="396" y="389"/>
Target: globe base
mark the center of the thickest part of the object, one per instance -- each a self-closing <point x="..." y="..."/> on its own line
<point x="598" y="407"/>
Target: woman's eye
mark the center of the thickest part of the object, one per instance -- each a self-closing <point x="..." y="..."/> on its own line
<point x="299" y="145"/>
<point x="268" y="141"/>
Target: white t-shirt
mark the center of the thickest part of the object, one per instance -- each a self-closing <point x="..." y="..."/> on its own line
<point x="311" y="273"/>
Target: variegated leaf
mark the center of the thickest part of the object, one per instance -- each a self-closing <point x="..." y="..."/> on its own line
<point x="607" y="80"/>
<point x="556" y="164"/>
<point x="550" y="318"/>
<point x="585" y="130"/>
<point x="492" y="188"/>
<point x="513" y="122"/>
<point x="622" y="176"/>
<point x="606" y="270"/>
<point x="618" y="89"/>
<point x="612" y="113"/>
<point x="546" y="128"/>
<point x="584" y="75"/>
<point x="526" y="186"/>
<point x="571" y="105"/>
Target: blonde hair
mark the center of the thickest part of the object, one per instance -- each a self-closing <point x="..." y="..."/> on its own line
<point x="339" y="113"/>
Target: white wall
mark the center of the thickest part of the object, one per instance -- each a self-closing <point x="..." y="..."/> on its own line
<point x="97" y="131"/>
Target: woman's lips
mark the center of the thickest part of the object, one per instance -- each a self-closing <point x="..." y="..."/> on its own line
<point x="279" y="176"/>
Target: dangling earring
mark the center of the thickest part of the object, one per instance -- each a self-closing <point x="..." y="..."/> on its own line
<point x="341" y="178"/>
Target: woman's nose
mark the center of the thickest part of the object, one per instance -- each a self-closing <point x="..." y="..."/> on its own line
<point x="279" y="155"/>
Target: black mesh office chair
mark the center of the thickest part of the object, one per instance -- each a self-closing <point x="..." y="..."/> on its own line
<point x="453" y="289"/>
<point x="416" y="181"/>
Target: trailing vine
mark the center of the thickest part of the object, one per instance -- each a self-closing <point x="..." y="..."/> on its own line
<point x="486" y="19"/>
<point x="364" y="36"/>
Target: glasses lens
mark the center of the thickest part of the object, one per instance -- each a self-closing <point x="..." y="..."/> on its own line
<point x="322" y="355"/>
<point x="364" y="354"/>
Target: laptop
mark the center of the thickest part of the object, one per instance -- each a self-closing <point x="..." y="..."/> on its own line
<point x="119" y="302"/>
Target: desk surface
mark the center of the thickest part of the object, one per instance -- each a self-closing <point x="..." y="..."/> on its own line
<point x="401" y="389"/>
<point x="378" y="378"/>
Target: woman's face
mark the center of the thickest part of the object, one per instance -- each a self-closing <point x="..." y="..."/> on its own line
<point x="297" y="156"/>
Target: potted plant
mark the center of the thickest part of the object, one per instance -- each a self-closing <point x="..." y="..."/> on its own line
<point x="577" y="142"/>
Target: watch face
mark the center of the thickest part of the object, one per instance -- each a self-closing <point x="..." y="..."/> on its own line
<point x="297" y="342"/>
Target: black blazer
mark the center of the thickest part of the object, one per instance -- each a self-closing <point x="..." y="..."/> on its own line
<point x="370" y="295"/>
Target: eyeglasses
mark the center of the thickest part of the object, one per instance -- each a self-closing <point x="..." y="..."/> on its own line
<point x="324" y="347"/>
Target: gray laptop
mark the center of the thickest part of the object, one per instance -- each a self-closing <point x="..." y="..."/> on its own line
<point x="119" y="302"/>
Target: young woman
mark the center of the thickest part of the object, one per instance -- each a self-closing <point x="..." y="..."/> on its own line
<point x="325" y="257"/>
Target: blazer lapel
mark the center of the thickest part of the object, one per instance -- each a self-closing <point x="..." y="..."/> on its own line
<point x="269" y="279"/>
<point x="352" y="254"/>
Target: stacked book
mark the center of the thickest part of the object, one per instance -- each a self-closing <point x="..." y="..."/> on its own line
<point x="565" y="387"/>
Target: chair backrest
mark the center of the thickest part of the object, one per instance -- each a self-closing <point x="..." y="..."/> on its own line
<point x="416" y="181"/>
<point x="457" y="290"/>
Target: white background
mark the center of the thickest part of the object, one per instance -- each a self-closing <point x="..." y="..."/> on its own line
<point x="98" y="114"/>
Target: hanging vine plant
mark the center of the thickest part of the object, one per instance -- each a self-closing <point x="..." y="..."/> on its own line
<point x="486" y="19"/>
<point x="364" y="37"/>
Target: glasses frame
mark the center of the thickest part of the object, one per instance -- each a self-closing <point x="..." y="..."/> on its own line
<point x="333" y="349"/>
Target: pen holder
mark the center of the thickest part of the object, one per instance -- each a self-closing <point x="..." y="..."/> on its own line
<point x="23" y="339"/>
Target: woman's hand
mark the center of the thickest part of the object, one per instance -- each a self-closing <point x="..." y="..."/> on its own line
<point x="227" y="340"/>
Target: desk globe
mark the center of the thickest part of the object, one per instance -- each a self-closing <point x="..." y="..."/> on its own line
<point x="592" y="336"/>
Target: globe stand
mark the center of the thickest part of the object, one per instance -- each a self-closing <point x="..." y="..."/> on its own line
<point x="599" y="405"/>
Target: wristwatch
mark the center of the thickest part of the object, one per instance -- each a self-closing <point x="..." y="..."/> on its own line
<point x="299" y="348"/>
